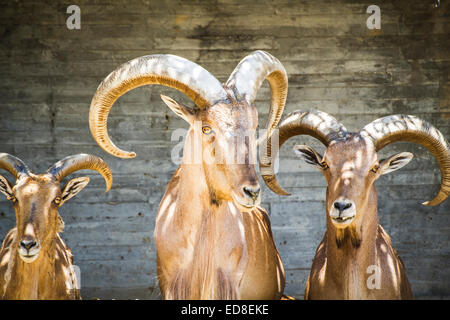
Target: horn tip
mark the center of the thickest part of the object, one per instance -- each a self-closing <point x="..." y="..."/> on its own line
<point x="109" y="183"/>
<point x="280" y="191"/>
<point x="126" y="155"/>
<point x="433" y="203"/>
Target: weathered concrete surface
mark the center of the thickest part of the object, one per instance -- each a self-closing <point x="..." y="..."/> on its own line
<point x="49" y="75"/>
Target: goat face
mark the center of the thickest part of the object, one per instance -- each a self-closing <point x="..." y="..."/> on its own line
<point x="224" y="121"/>
<point x="36" y="214"/>
<point x="350" y="163"/>
<point x="36" y="199"/>
<point x="224" y="136"/>
<point x="350" y="167"/>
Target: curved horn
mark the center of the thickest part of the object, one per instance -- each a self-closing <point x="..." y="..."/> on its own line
<point x="13" y="165"/>
<point x="70" y="164"/>
<point x="317" y="124"/>
<point x="408" y="128"/>
<point x="168" y="70"/>
<point x="248" y="77"/>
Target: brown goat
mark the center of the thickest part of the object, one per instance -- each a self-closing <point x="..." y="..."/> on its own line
<point x="355" y="259"/>
<point x="213" y="239"/>
<point x="35" y="263"/>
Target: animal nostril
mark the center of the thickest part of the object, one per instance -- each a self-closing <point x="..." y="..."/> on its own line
<point x="252" y="192"/>
<point x="28" y="244"/>
<point x="342" y="206"/>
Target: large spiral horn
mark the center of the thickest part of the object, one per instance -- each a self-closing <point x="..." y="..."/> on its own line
<point x="317" y="124"/>
<point x="247" y="78"/>
<point x="13" y="165"/>
<point x="168" y="70"/>
<point x="408" y="128"/>
<point x="70" y="164"/>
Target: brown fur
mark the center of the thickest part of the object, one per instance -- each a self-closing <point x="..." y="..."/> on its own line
<point x="44" y="276"/>
<point x="208" y="246"/>
<point x="51" y="275"/>
<point x="339" y="269"/>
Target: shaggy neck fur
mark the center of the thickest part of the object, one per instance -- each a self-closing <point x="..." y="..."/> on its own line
<point x="50" y="276"/>
<point x="207" y="248"/>
<point x="351" y="250"/>
<point x="28" y="280"/>
<point x="204" y="278"/>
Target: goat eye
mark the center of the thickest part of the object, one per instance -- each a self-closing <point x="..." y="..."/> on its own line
<point x="57" y="200"/>
<point x="375" y="168"/>
<point x="12" y="198"/>
<point x="324" y="165"/>
<point x="206" y="130"/>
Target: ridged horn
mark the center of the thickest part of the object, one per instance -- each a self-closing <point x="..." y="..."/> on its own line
<point x="317" y="124"/>
<point x="247" y="78"/>
<point x="70" y="164"/>
<point x="168" y="70"/>
<point x="13" y="165"/>
<point x="408" y="128"/>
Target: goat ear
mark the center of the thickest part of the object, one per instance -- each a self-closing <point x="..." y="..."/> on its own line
<point x="5" y="187"/>
<point x="72" y="188"/>
<point x="395" y="162"/>
<point x="184" y="112"/>
<point x="309" y="155"/>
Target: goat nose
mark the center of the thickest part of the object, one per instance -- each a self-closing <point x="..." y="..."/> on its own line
<point x="252" y="192"/>
<point x="341" y="206"/>
<point x="28" y="244"/>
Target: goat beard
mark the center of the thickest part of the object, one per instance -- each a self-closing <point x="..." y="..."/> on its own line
<point x="350" y="232"/>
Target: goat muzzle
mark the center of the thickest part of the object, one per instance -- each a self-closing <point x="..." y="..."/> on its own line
<point x="29" y="249"/>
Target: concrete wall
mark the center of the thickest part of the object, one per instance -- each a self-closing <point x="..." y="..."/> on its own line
<point x="49" y="75"/>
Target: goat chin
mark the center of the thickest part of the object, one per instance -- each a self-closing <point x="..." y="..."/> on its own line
<point x="29" y="259"/>
<point x="244" y="207"/>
